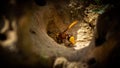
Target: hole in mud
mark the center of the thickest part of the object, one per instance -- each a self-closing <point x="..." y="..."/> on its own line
<point x="99" y="41"/>
<point x="74" y="34"/>
<point x="92" y="61"/>
<point x="32" y="31"/>
<point x="1" y="23"/>
<point x="82" y="32"/>
<point x="59" y="66"/>
<point x="3" y="37"/>
<point x="40" y="2"/>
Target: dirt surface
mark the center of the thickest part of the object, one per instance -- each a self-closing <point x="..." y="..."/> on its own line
<point x="53" y="18"/>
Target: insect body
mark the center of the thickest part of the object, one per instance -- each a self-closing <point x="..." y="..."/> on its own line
<point x="64" y="37"/>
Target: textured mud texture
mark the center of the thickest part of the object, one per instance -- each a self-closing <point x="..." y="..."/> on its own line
<point x="37" y="29"/>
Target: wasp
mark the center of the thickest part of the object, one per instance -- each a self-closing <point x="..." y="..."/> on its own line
<point x="64" y="37"/>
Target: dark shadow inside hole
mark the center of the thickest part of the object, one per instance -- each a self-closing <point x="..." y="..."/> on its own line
<point x="40" y="2"/>
<point x="32" y="31"/>
<point x="59" y="65"/>
<point x="3" y="37"/>
<point x="92" y="61"/>
<point x="1" y="23"/>
<point x="99" y="41"/>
